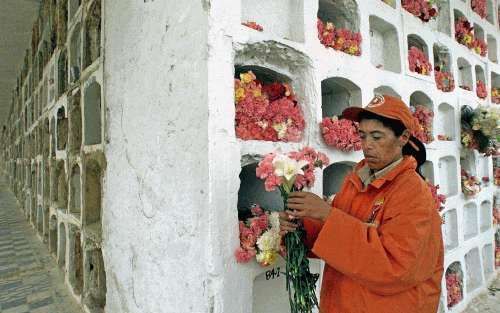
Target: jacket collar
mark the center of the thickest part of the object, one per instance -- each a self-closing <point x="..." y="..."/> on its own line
<point x="408" y="162"/>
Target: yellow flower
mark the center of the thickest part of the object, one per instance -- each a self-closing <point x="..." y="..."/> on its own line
<point x="267" y="257"/>
<point x="247" y="77"/>
<point x="239" y="94"/>
<point x="467" y="39"/>
<point x="257" y="93"/>
<point x="352" y="50"/>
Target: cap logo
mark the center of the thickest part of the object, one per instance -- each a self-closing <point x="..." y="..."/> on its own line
<point x="377" y="100"/>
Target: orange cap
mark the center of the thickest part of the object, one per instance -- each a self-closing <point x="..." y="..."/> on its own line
<point x="387" y="106"/>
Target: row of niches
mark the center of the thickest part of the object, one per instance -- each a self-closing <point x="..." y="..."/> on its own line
<point x="68" y="127"/>
<point x="70" y="222"/>
<point x="260" y="92"/>
<point x="476" y="219"/>
<point x="59" y="53"/>
<point x="461" y="280"/>
<point x="339" y="27"/>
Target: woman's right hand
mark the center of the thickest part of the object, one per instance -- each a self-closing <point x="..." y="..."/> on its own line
<point x="286" y="223"/>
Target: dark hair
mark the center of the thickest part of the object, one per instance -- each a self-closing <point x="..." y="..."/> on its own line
<point x="398" y="128"/>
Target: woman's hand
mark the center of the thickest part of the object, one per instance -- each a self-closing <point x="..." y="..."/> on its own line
<point x="286" y="223"/>
<point x="307" y="204"/>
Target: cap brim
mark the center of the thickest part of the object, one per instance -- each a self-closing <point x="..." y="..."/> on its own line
<point x="352" y="113"/>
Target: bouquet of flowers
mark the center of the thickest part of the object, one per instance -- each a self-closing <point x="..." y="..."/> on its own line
<point x="479" y="6"/>
<point x="259" y="237"/>
<point x="495" y="95"/>
<point x="454" y="288"/>
<point x="253" y="25"/>
<point x="481" y="89"/>
<point x="424" y="116"/>
<point x="444" y="80"/>
<point x="480" y="128"/>
<point x="341" y="134"/>
<point x="480" y="47"/>
<point x="292" y="172"/>
<point x="464" y="32"/>
<point x="339" y="38"/>
<point x="497" y="176"/>
<point x="266" y="111"/>
<point x="418" y="61"/>
<point x="439" y="198"/>
<point x="423" y="9"/>
<point x="471" y="185"/>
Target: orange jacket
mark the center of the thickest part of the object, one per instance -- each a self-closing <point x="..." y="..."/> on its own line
<point x="394" y="265"/>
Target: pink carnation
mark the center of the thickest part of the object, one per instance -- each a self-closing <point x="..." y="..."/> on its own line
<point x="243" y="256"/>
<point x="341" y="134"/>
<point x="481" y="89"/>
<point x="418" y="61"/>
<point x="479" y="6"/>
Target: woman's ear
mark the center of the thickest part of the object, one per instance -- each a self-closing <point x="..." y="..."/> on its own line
<point x="405" y="136"/>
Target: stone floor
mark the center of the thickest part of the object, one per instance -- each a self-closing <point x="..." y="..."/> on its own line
<point x="487" y="302"/>
<point x="30" y="280"/>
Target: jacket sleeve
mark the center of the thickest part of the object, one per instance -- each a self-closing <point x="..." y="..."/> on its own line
<point x="388" y="259"/>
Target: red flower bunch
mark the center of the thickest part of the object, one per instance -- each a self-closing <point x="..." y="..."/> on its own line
<point x="497" y="176"/>
<point x="440" y="199"/>
<point x="266" y="112"/>
<point x="296" y="168"/>
<point x="496" y="215"/>
<point x="424" y="116"/>
<point x="485" y="180"/>
<point x="464" y="32"/>
<point x="495" y="95"/>
<point x="480" y="47"/>
<point x="444" y="80"/>
<point x="418" y="61"/>
<point x="339" y="38"/>
<point x="481" y="89"/>
<point x="253" y="25"/>
<point x="423" y="9"/>
<point x="341" y="134"/>
<point x="454" y="288"/>
<point x="479" y="6"/>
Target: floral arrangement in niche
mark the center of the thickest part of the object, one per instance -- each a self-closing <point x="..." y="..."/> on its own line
<point x="497" y="256"/>
<point x="293" y="172"/>
<point x="424" y="116"/>
<point x="341" y="134"/>
<point x="471" y="185"/>
<point x="479" y="6"/>
<point x="418" y="61"/>
<point x="480" y="128"/>
<point x="497" y="176"/>
<point x="340" y="39"/>
<point x="266" y="111"/>
<point x="454" y="288"/>
<point x="480" y="47"/>
<point x="440" y="199"/>
<point x="425" y="10"/>
<point x="253" y="25"/>
<point x="495" y="95"/>
<point x="444" y="80"/>
<point x="481" y="89"/>
<point x="464" y="32"/>
<point x="259" y="237"/>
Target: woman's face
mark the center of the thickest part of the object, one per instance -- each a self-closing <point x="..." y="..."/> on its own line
<point x="380" y="146"/>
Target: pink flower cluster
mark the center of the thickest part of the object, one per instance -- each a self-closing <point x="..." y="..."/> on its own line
<point x="250" y="231"/>
<point x="453" y="288"/>
<point x="444" y="80"/>
<point x="265" y="169"/>
<point x="479" y="6"/>
<point x="341" y="134"/>
<point x="440" y="199"/>
<point x="424" y="116"/>
<point x="253" y="25"/>
<point x="339" y="38"/>
<point x="266" y="111"/>
<point x="481" y="89"/>
<point x="418" y="61"/>
<point x="423" y="9"/>
<point x="497" y="176"/>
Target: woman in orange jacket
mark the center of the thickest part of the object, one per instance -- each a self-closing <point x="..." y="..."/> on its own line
<point x="381" y="237"/>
